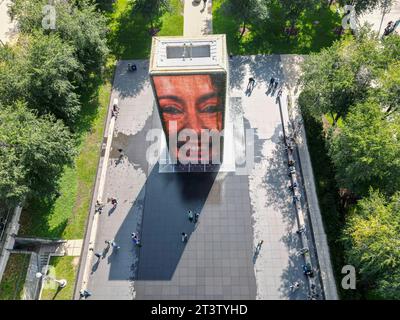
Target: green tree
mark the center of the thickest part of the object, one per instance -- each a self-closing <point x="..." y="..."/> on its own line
<point x="346" y="73"/>
<point x="33" y="152"/>
<point x="363" y="6"/>
<point x="152" y="10"/>
<point x="246" y="12"/>
<point x="372" y="242"/>
<point x="366" y="150"/>
<point x="82" y="26"/>
<point x="294" y="8"/>
<point x="43" y="71"/>
<point x="389" y="89"/>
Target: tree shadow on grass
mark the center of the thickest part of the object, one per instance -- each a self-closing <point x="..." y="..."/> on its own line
<point x="35" y="219"/>
<point x="269" y="36"/>
<point x="129" y="37"/>
<point x="225" y="24"/>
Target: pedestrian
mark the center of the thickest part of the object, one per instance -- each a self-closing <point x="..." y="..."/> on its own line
<point x="301" y="230"/>
<point x="389" y="28"/>
<point x="259" y="245"/>
<point x="135" y="239"/>
<point x="115" y="108"/>
<point x="294" y="286"/>
<point x="271" y="82"/>
<point x="190" y="215"/>
<point x="98" y="207"/>
<point x="121" y="155"/>
<point x="115" y="245"/>
<point x="114" y="202"/>
<point x="280" y="93"/>
<point x="196" y="217"/>
<point x="184" y="237"/>
<point x="84" y="293"/>
<point x="302" y="251"/>
<point x="230" y="55"/>
<point x="108" y="244"/>
<point x="250" y="84"/>
<point x="276" y="85"/>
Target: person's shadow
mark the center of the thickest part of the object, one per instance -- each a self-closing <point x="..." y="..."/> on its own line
<point x="250" y="88"/>
<point x="111" y="211"/>
<point x="257" y="253"/>
<point x="105" y="251"/>
<point x="95" y="266"/>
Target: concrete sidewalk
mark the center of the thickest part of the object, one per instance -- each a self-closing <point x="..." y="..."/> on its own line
<point x="198" y="18"/>
<point x="291" y="66"/>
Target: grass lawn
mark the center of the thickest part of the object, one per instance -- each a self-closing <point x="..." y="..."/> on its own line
<point x="269" y="38"/>
<point x="12" y="283"/>
<point x="64" y="268"/>
<point x="65" y="216"/>
<point x="130" y="34"/>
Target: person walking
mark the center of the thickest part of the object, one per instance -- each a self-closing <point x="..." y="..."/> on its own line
<point x="271" y="82"/>
<point x="114" y="202"/>
<point x="121" y="157"/>
<point x="196" y="217"/>
<point x="190" y="215"/>
<point x="115" y="245"/>
<point x="84" y="293"/>
<point x="98" y="207"/>
<point x="184" y="237"/>
<point x="294" y="286"/>
<point x="259" y="245"/>
<point x="108" y="243"/>
<point x="251" y="84"/>
<point x="135" y="238"/>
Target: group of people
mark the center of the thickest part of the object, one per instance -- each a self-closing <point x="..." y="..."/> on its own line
<point x="193" y="218"/>
<point x="273" y="85"/>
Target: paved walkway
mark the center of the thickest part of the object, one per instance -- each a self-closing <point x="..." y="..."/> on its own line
<point x="70" y="248"/>
<point x="236" y="212"/>
<point x="7" y="28"/>
<point x="322" y="260"/>
<point x="198" y="18"/>
<point x="375" y="17"/>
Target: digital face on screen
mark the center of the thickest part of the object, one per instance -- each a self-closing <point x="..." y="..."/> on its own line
<point x="192" y="109"/>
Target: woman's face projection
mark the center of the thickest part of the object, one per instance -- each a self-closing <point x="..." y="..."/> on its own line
<point x="192" y="111"/>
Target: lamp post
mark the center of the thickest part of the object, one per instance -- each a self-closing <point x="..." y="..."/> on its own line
<point x="61" y="283"/>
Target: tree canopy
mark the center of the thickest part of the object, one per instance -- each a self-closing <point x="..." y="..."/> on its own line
<point x="83" y="26"/>
<point x="152" y="10"/>
<point x="43" y="71"/>
<point x="247" y="11"/>
<point x="33" y="152"/>
<point x="366" y="150"/>
<point x="348" y="73"/>
<point x="372" y="239"/>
